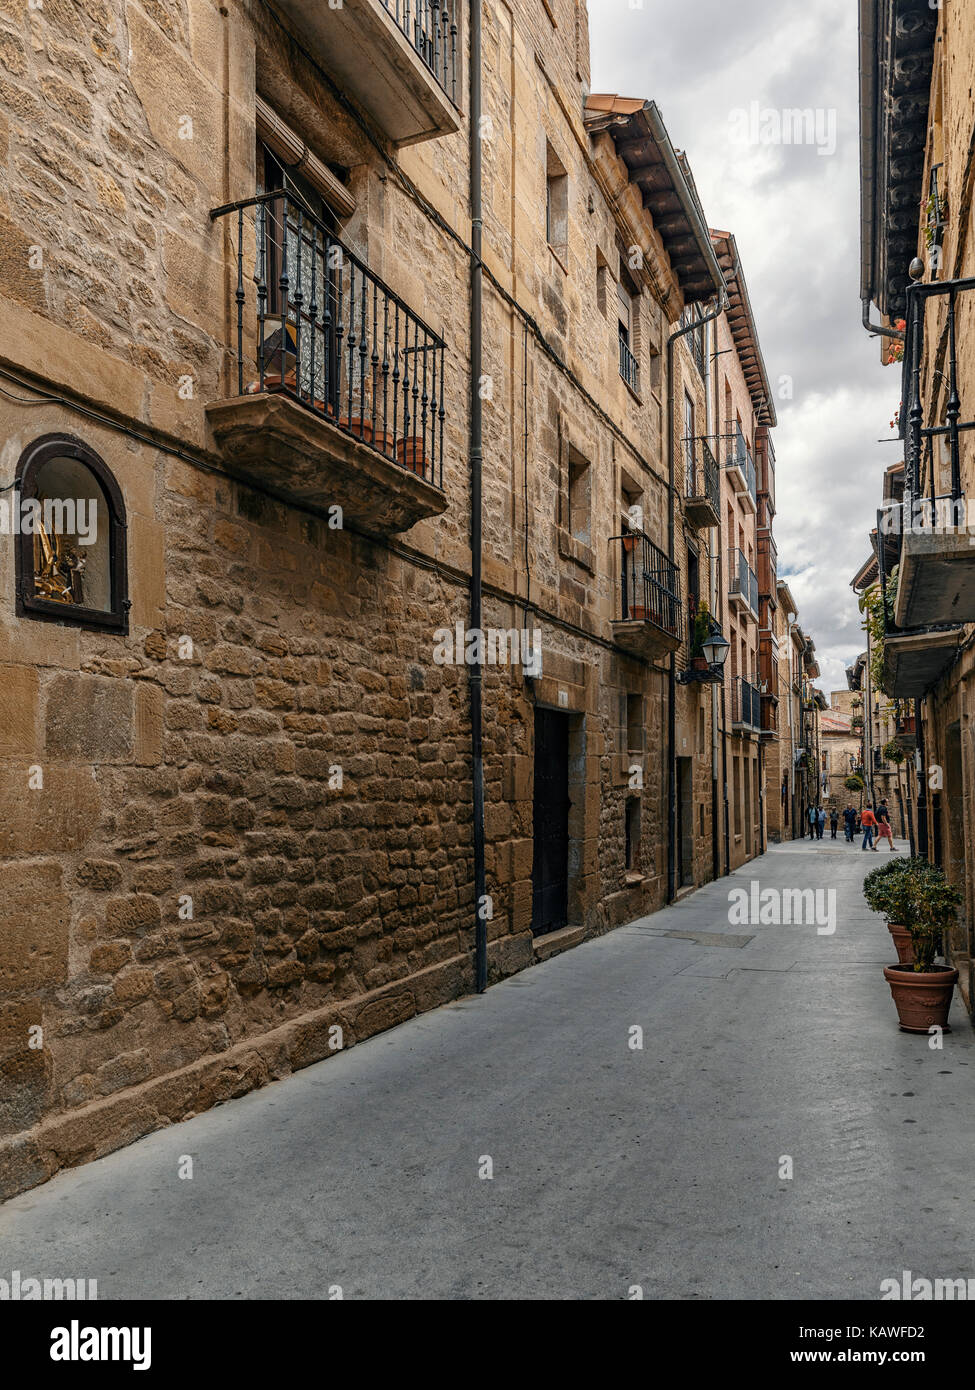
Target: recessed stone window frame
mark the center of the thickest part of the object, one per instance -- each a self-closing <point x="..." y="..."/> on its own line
<point x="114" y="617"/>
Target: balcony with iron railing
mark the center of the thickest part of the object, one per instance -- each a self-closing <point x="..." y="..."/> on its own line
<point x="740" y="468"/>
<point x="629" y="367"/>
<point x="768" y="666"/>
<point x="746" y="706"/>
<point x="931" y="533"/>
<point x="397" y="59"/>
<point x="340" y="390"/>
<point x="650" y="615"/>
<point x="765" y="472"/>
<point x="742" y="584"/>
<point x="768" y="560"/>
<point x="702" y="484"/>
<point x="914" y="658"/>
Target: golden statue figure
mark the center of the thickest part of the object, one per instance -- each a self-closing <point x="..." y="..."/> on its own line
<point x="58" y="568"/>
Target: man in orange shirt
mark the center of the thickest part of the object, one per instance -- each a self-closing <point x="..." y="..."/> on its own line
<point x="869" y="822"/>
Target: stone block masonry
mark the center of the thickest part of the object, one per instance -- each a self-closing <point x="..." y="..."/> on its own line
<point x="237" y="836"/>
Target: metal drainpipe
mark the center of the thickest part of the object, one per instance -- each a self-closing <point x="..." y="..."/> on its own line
<point x="920" y="777"/>
<point x="475" y="675"/>
<point x="672" y="673"/>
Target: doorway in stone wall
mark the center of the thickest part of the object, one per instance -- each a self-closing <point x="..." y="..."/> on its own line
<point x="685" y="822"/>
<point x="550" y="866"/>
<point x="954" y="832"/>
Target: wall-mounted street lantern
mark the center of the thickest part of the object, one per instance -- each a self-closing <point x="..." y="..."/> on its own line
<point x="714" y="650"/>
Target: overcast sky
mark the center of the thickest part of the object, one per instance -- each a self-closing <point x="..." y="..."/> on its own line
<point x="795" y="214"/>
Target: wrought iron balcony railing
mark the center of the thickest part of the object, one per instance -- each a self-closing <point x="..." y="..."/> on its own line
<point x="431" y="27"/>
<point x="649" y="587"/>
<point x="629" y="366"/>
<point x="746" y="704"/>
<point x="328" y="333"/>
<point x="738" y="455"/>
<point x="742" y="580"/>
<point x="702" y="481"/>
<point x="768" y="562"/>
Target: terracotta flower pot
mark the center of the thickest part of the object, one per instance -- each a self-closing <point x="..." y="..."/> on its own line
<point x="629" y="544"/>
<point x="362" y="429"/>
<point x="699" y="663"/>
<point x="638" y="613"/>
<point x="923" y="998"/>
<point x="410" y="454"/>
<point x="903" y="943"/>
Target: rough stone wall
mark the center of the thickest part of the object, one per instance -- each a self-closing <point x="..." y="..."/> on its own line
<point x="947" y="713"/>
<point x="192" y="904"/>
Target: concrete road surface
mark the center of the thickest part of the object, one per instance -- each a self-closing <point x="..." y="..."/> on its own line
<point x="612" y="1165"/>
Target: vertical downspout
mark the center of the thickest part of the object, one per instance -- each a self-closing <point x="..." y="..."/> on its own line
<point x="714" y="572"/>
<point x="475" y="675"/>
<point x="672" y="673"/>
<point x="921" y="776"/>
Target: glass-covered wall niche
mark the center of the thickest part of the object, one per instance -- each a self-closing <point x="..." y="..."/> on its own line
<point x="69" y="517"/>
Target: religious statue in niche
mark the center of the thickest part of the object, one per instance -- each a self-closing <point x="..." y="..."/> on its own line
<point x="58" y="568"/>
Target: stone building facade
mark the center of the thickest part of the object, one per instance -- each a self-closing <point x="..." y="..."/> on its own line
<point x="917" y="67"/>
<point x="238" y="819"/>
<point x="744" y="414"/>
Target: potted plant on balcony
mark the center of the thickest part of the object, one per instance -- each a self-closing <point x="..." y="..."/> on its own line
<point x="700" y="634"/>
<point x="892" y="752"/>
<point x="922" y="992"/>
<point x="410" y="453"/>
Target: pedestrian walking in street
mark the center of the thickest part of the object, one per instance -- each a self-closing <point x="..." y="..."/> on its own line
<point x="811" y="818"/>
<point x="884" y="828"/>
<point x="820" y="823"/>
<point x="850" y="823"/>
<point x="834" y="821"/>
<point x="869" y="822"/>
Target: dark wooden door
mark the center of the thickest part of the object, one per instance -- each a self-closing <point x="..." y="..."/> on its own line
<point x="550" y="870"/>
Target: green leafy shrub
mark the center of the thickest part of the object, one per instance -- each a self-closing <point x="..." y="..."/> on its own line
<point x="894" y="753"/>
<point x="915" y="894"/>
<point x="934" y="906"/>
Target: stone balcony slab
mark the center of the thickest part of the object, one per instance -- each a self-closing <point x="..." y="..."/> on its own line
<point x="271" y="440"/>
<point x="936" y="582"/>
<point x="370" y="57"/>
<point x="914" y="661"/>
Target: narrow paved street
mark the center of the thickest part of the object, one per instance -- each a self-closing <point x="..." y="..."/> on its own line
<point x="612" y="1167"/>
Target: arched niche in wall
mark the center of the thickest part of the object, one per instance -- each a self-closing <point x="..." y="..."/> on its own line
<point x="70" y="548"/>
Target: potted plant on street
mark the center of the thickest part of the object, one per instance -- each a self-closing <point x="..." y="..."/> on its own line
<point x="922" y="992"/>
<point x="888" y="891"/>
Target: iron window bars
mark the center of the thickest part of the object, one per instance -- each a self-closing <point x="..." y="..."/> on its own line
<point x="649" y="585"/>
<point x="333" y="337"/>
<point x="629" y="366"/>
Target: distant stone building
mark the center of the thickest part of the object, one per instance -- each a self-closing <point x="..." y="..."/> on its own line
<point x="842" y="749"/>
